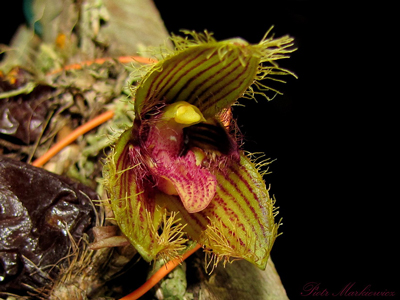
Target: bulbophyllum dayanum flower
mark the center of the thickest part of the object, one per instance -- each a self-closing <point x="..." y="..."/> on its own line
<point x="179" y="173"/>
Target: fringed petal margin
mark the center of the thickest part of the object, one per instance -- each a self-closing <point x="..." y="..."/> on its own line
<point x="239" y="222"/>
<point x="211" y="75"/>
<point x="134" y="208"/>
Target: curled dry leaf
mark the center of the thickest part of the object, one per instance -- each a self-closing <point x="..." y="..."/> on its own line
<point x="41" y="214"/>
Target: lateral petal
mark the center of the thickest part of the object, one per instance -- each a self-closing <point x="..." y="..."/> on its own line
<point x="132" y="201"/>
<point x="239" y="222"/>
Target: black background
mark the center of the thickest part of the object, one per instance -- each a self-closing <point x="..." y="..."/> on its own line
<point x="333" y="133"/>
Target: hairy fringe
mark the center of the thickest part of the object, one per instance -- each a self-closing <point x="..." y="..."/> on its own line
<point x="171" y="240"/>
<point x="269" y="50"/>
<point x="214" y="238"/>
<point x="260" y="162"/>
<point x="139" y="224"/>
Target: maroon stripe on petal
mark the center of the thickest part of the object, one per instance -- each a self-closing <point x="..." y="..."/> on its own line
<point x="217" y="219"/>
<point x="233" y="183"/>
<point x="161" y="75"/>
<point x="168" y="77"/>
<point x="262" y="208"/>
<point x="198" y="86"/>
<point x="230" y="211"/>
<point x="164" y="73"/>
<point x="213" y="100"/>
<point x="185" y="86"/>
<point x="211" y="86"/>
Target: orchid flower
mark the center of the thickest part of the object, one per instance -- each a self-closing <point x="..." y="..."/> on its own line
<point x="179" y="173"/>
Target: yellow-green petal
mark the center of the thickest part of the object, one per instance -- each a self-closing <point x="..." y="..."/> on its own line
<point x="133" y="204"/>
<point x="210" y="75"/>
<point x="239" y="222"/>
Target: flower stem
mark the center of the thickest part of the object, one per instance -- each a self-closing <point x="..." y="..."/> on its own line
<point x="160" y="274"/>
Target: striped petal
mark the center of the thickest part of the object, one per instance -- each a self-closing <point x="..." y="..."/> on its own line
<point x="239" y="222"/>
<point x="209" y="75"/>
<point x="132" y="201"/>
